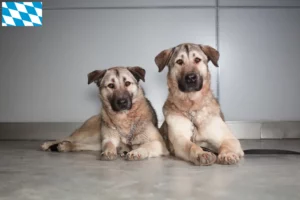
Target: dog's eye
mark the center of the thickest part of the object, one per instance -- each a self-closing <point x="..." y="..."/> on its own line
<point x="112" y="86"/>
<point x="197" y="60"/>
<point x="179" y="62"/>
<point x="127" y="83"/>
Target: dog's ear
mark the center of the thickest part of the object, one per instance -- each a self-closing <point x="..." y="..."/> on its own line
<point x="211" y="53"/>
<point x="138" y="73"/>
<point x="163" y="58"/>
<point x="96" y="76"/>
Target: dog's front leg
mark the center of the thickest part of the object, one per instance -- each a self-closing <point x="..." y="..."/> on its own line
<point x="180" y="133"/>
<point x="230" y="151"/>
<point x="147" y="150"/>
<point x="148" y="144"/>
<point x="219" y="134"/>
<point x="110" y="140"/>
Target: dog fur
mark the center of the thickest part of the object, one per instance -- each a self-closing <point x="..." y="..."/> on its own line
<point x="192" y="114"/>
<point x="127" y="121"/>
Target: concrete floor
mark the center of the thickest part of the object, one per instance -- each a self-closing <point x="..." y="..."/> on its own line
<point x="26" y="173"/>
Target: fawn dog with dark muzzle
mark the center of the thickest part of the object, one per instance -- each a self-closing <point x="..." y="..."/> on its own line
<point x="127" y="121"/>
<point x="193" y="118"/>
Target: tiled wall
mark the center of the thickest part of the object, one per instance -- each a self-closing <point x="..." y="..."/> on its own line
<point x="259" y="73"/>
<point x="43" y="70"/>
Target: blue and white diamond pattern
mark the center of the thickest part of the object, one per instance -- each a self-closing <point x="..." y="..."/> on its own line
<point x="22" y="13"/>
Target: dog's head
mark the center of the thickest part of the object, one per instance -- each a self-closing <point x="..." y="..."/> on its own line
<point x="188" y="65"/>
<point x="118" y="86"/>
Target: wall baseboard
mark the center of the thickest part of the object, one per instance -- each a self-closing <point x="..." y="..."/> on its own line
<point x="265" y="129"/>
<point x="56" y="130"/>
<point x="37" y="130"/>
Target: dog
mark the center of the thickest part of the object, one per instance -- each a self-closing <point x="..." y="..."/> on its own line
<point x="127" y="121"/>
<point x="192" y="114"/>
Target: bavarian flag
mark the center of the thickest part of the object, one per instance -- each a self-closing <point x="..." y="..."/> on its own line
<point x="22" y="13"/>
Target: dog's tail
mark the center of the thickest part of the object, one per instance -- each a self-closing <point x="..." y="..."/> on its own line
<point x="270" y="151"/>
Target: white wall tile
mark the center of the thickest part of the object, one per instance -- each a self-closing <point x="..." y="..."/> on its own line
<point x="259" y="66"/>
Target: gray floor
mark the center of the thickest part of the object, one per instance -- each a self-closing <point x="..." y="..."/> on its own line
<point x="26" y="173"/>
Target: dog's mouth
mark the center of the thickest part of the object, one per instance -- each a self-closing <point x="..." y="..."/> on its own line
<point x="121" y="104"/>
<point x="191" y="82"/>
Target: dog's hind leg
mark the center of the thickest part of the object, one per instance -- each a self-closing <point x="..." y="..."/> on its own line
<point x="67" y="146"/>
<point x="87" y="137"/>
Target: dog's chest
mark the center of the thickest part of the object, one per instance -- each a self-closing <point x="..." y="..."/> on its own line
<point x="129" y="135"/>
<point x="126" y="140"/>
<point x="126" y="134"/>
<point x="199" y="119"/>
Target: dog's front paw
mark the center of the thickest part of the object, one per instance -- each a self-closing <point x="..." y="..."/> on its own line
<point x="137" y="154"/>
<point x="228" y="158"/>
<point x="204" y="158"/>
<point x="108" y="155"/>
<point x="64" y="146"/>
<point x="45" y="146"/>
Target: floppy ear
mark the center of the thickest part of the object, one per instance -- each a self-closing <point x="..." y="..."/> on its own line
<point x="96" y="76"/>
<point x="163" y="58"/>
<point x="138" y="73"/>
<point x="211" y="53"/>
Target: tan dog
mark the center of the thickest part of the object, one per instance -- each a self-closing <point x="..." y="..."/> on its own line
<point x="127" y="122"/>
<point x="192" y="114"/>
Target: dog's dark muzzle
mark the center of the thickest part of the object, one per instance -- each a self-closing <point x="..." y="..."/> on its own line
<point x="190" y="82"/>
<point x="121" y="103"/>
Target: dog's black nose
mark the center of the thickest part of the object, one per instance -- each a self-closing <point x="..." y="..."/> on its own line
<point x="122" y="102"/>
<point x="191" y="78"/>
